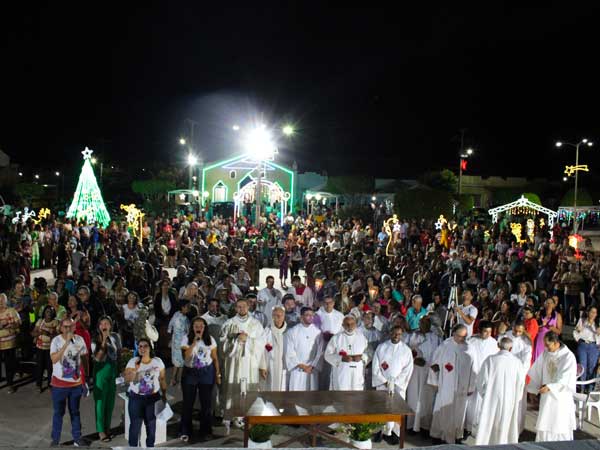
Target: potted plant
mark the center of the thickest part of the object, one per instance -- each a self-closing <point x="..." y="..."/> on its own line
<point x="260" y="436"/>
<point x="360" y="434"/>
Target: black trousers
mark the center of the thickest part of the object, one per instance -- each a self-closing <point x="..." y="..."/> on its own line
<point x="295" y="267"/>
<point x="189" y="397"/>
<point x="9" y="358"/>
<point x="43" y="362"/>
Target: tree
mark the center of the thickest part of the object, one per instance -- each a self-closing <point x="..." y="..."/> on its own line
<point x="350" y="187"/>
<point x="87" y="202"/>
<point x="153" y="192"/>
<point x="533" y="198"/>
<point x="28" y="191"/>
<point x="583" y="198"/>
<point x="443" y="180"/>
<point x="428" y="203"/>
<point x="466" y="202"/>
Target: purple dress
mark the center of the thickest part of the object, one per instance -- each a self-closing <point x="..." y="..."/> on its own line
<point x="538" y="348"/>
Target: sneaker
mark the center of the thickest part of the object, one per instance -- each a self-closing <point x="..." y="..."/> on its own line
<point x="80" y="443"/>
<point x="184" y="438"/>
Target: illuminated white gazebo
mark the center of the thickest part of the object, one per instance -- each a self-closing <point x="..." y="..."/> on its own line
<point x="523" y="206"/>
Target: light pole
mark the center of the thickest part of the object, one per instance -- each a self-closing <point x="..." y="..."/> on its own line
<point x="464" y="155"/>
<point x="192" y="161"/>
<point x="575" y="169"/>
<point x="259" y="145"/>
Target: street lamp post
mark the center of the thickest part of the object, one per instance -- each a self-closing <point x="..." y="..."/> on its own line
<point x="575" y="170"/>
<point x="464" y="155"/>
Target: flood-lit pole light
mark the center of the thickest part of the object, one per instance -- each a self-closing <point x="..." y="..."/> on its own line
<point x="236" y="127"/>
<point x="182" y="141"/>
<point x="288" y="130"/>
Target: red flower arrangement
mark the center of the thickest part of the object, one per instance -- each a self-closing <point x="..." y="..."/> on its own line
<point x="385" y="365"/>
<point x="343" y="353"/>
<point x="449" y="367"/>
<point x="269" y="347"/>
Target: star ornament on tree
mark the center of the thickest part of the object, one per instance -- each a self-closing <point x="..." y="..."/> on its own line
<point x="87" y="153"/>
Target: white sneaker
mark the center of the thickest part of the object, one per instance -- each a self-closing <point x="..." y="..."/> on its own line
<point x="184" y="438"/>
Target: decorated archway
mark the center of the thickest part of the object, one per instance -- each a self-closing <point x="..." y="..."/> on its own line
<point x="271" y="193"/>
<point x="525" y="209"/>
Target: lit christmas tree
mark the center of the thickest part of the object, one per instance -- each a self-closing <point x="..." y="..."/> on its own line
<point x="87" y="202"/>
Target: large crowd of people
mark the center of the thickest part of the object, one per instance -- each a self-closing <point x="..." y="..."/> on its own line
<point x="465" y="322"/>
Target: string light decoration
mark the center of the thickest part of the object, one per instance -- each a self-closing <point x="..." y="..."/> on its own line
<point x="87" y="202"/>
<point x="516" y="230"/>
<point x="23" y="216"/>
<point x="523" y="206"/>
<point x="530" y="229"/>
<point x="570" y="170"/>
<point x="440" y="222"/>
<point x="135" y="219"/>
<point x="574" y="241"/>
<point x="42" y="214"/>
<point x="388" y="226"/>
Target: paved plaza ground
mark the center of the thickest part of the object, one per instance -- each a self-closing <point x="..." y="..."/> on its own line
<point x="26" y="420"/>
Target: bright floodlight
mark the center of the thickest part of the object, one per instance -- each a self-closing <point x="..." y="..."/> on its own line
<point x="584" y="140"/>
<point x="288" y="130"/>
<point x="236" y="128"/>
<point x="192" y="160"/>
<point x="373" y="198"/>
<point x="259" y="144"/>
<point x="590" y="143"/>
<point x="558" y="144"/>
<point x="565" y="178"/>
<point x="37" y="177"/>
<point x="182" y="141"/>
<point x="469" y="151"/>
<point x="57" y="173"/>
<point x="20" y="174"/>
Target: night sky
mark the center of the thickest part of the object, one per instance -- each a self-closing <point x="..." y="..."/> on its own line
<point x="371" y="90"/>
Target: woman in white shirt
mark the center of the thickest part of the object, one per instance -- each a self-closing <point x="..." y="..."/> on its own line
<point x="147" y="384"/>
<point x="587" y="336"/>
<point x="200" y="373"/>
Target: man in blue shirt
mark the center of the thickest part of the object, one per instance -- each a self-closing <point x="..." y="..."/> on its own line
<point x="415" y="312"/>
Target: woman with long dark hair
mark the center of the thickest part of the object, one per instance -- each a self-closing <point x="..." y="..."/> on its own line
<point x="165" y="305"/>
<point x="587" y="336"/>
<point x="106" y="348"/>
<point x="201" y="371"/>
<point x="147" y="384"/>
<point x="45" y="329"/>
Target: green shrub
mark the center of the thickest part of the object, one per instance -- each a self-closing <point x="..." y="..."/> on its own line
<point x="262" y="433"/>
<point x="363" y="431"/>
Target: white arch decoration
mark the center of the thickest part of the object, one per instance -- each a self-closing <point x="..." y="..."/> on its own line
<point x="247" y="195"/>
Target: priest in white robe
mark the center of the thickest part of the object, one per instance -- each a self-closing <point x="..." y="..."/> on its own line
<point x="304" y="353"/>
<point x="373" y="335"/>
<point x="452" y="373"/>
<point x="268" y="297"/>
<point x="243" y="347"/>
<point x="481" y="346"/>
<point x="329" y="320"/>
<point x="522" y="350"/>
<point x="272" y="364"/>
<point x="500" y="383"/>
<point x="348" y="354"/>
<point x="392" y="364"/>
<point x="420" y="395"/>
<point x="553" y="376"/>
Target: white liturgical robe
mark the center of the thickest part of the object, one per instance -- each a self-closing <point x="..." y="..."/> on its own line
<point x="479" y="349"/>
<point x="241" y="358"/>
<point x="522" y="350"/>
<point x="500" y="383"/>
<point x="273" y="358"/>
<point x="558" y="371"/>
<point x="266" y="299"/>
<point x="347" y="376"/>
<point x="304" y="345"/>
<point x="392" y="363"/>
<point x="420" y="395"/>
<point x="330" y="324"/>
<point x="454" y="380"/>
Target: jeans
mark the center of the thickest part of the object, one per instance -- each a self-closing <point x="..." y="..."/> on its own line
<point x="141" y="410"/>
<point x="189" y="396"/>
<point x="587" y="354"/>
<point x="60" y="398"/>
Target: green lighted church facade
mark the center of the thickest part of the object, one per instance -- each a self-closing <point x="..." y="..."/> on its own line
<point x="234" y="180"/>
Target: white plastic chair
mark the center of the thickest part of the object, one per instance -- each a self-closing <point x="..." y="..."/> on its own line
<point x="586" y="401"/>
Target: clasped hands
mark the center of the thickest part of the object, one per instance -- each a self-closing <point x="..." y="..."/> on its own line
<point x="351" y="358"/>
